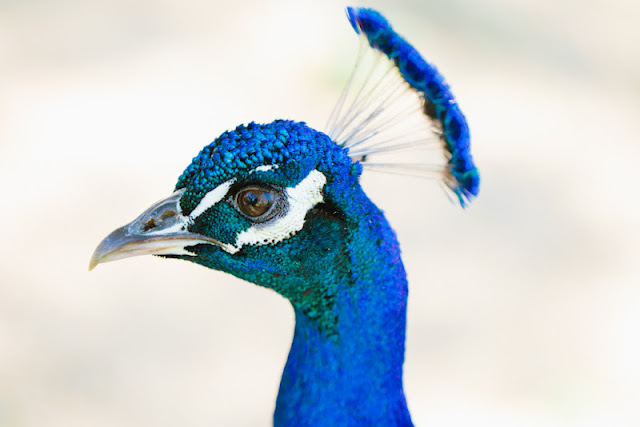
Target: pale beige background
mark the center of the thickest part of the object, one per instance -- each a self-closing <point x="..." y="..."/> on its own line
<point x="524" y="309"/>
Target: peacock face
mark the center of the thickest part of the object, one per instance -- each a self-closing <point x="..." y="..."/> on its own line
<point x="262" y="202"/>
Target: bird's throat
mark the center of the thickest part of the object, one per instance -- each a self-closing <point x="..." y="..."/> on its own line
<point x="352" y="374"/>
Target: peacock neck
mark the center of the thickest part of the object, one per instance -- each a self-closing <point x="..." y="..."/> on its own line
<point x="352" y="373"/>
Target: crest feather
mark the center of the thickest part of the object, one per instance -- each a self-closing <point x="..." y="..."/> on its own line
<point x="395" y="101"/>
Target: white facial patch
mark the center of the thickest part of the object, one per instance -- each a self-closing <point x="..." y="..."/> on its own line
<point x="211" y="198"/>
<point x="300" y="199"/>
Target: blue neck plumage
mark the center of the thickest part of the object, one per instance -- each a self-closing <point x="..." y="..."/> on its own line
<point x="352" y="374"/>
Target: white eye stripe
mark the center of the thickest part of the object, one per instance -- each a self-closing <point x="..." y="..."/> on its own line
<point x="264" y="168"/>
<point x="300" y="199"/>
<point x="211" y="198"/>
<point x="218" y="193"/>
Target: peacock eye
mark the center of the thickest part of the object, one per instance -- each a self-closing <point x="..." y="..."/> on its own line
<point x="255" y="202"/>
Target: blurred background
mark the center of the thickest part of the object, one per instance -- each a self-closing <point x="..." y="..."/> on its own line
<point x="524" y="309"/>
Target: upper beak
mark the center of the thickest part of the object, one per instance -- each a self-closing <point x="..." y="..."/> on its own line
<point x="160" y="230"/>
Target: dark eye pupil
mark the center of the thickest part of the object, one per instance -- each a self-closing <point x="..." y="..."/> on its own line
<point x="254" y="202"/>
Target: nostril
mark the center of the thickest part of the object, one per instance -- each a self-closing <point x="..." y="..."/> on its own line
<point x="168" y="214"/>
<point x="149" y="225"/>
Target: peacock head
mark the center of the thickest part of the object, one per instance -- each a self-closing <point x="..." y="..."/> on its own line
<point x="266" y="203"/>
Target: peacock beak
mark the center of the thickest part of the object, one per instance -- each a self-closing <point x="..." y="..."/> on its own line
<point x="160" y="230"/>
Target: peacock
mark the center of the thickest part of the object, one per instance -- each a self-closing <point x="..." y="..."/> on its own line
<point x="281" y="205"/>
